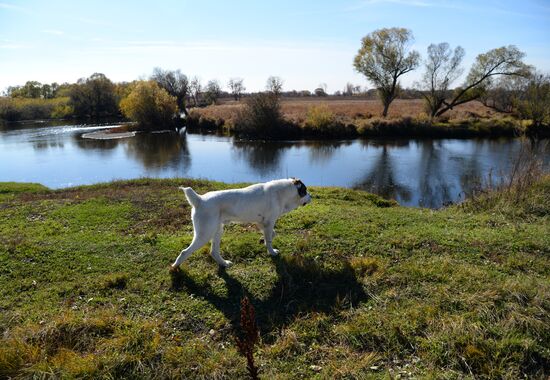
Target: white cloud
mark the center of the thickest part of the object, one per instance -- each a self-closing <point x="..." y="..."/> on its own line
<point x="53" y="31"/>
<point x="11" y="6"/>
<point x="12" y="46"/>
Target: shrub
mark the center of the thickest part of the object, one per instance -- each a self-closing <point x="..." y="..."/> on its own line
<point x="62" y="111"/>
<point x="320" y="118"/>
<point x="321" y="121"/>
<point x="8" y="111"/>
<point x="149" y="105"/>
<point x="261" y="116"/>
<point x="197" y="121"/>
<point x="14" y="109"/>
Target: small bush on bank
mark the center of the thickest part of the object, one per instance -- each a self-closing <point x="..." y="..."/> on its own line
<point x="320" y="118"/>
<point x="196" y="121"/>
<point x="322" y="122"/>
<point x="261" y="117"/>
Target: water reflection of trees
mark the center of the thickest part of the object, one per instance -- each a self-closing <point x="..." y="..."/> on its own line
<point x="153" y="150"/>
<point x="265" y="156"/>
<point x="435" y="187"/>
<point x="400" y="143"/>
<point x="445" y="176"/>
<point x="436" y="180"/>
<point x="262" y="156"/>
<point x="160" y="150"/>
<point x="491" y="161"/>
<point x="381" y="179"/>
<point x="472" y="176"/>
<point x="57" y="143"/>
<point x="102" y="146"/>
<point x="321" y="152"/>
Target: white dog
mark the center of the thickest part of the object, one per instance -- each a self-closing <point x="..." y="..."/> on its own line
<point x="261" y="204"/>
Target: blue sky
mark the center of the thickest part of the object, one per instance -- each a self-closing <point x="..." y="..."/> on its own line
<point x="304" y="42"/>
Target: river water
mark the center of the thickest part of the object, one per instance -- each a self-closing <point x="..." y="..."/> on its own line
<point x="425" y="173"/>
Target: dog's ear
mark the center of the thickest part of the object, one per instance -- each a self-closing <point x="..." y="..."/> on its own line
<point x="302" y="189"/>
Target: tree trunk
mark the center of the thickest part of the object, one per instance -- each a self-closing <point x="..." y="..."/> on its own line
<point x="386" y="106"/>
<point x="181" y="105"/>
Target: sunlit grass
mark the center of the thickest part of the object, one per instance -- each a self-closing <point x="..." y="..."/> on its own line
<point x="363" y="288"/>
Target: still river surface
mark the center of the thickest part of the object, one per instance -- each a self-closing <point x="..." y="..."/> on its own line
<point x="425" y="173"/>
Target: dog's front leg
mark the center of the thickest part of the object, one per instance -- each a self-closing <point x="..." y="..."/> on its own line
<point x="269" y="234"/>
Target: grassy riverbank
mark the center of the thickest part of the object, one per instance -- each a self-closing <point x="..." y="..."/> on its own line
<point x="351" y="118"/>
<point x="363" y="287"/>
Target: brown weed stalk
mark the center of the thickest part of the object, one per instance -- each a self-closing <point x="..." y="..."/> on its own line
<point x="250" y="336"/>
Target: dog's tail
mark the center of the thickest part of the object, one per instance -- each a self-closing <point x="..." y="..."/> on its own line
<point x="193" y="198"/>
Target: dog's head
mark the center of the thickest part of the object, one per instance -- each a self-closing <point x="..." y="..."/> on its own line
<point x="301" y="191"/>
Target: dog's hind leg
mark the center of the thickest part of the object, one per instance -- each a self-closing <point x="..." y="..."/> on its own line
<point x="215" y="252"/>
<point x="269" y="234"/>
<point x="202" y="234"/>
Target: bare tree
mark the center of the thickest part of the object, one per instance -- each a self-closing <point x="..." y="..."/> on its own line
<point x="505" y="94"/>
<point x="195" y="88"/>
<point x="442" y="69"/>
<point x="175" y="83"/>
<point x="383" y="58"/>
<point x="536" y="105"/>
<point x="348" y="89"/>
<point x="506" y="60"/>
<point x="274" y="85"/>
<point x="236" y="87"/>
<point x="212" y="91"/>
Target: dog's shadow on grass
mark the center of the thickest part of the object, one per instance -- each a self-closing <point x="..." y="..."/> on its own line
<point x="302" y="286"/>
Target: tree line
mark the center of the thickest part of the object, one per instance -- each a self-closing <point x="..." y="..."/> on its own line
<point x="98" y="97"/>
<point x="152" y="102"/>
<point x="498" y="78"/>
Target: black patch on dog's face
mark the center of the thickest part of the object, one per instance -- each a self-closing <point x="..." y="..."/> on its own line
<point x="302" y="189"/>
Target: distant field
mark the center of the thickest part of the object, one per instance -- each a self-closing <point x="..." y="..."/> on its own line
<point x="295" y="109"/>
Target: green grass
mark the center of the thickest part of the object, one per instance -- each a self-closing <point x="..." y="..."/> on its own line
<point x="363" y="288"/>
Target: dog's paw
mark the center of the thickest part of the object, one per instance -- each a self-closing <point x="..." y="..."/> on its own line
<point x="274" y="252"/>
<point x="174" y="269"/>
<point x="226" y="264"/>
